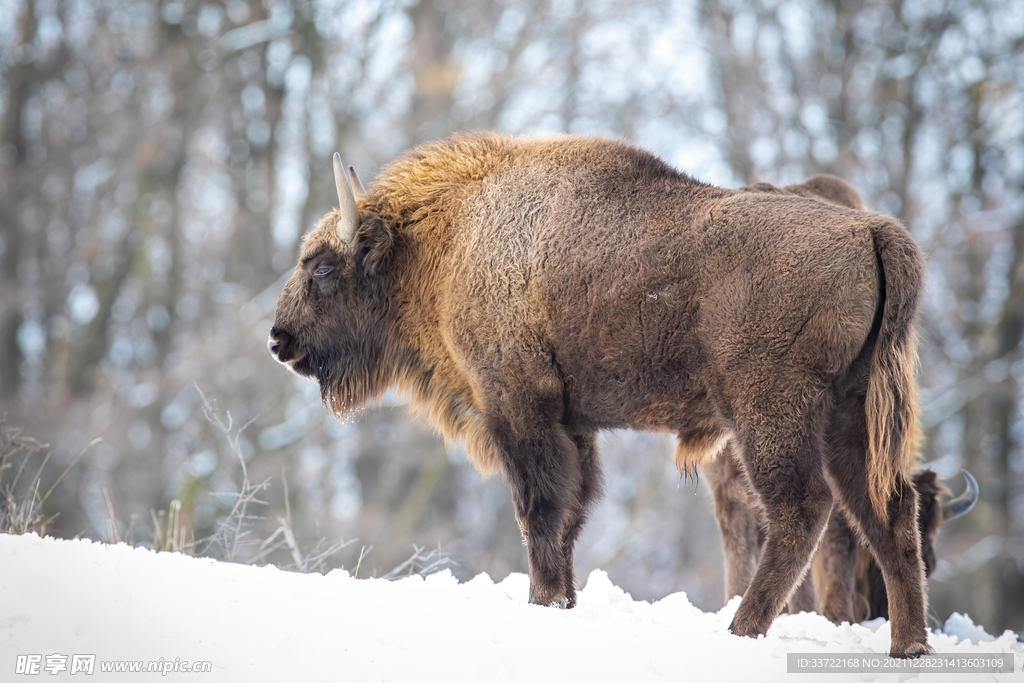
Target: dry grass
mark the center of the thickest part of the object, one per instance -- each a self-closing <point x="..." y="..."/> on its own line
<point x="21" y="507"/>
<point x="422" y="562"/>
<point x="230" y="530"/>
<point x="22" y="501"/>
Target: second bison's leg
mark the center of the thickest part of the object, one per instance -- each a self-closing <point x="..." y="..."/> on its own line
<point x="738" y="520"/>
<point x="804" y="598"/>
<point x="783" y="462"/>
<point x="542" y="466"/>
<point x="838" y="556"/>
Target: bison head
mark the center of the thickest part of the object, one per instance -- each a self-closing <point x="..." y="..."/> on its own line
<point x="932" y="512"/>
<point x="332" y="318"/>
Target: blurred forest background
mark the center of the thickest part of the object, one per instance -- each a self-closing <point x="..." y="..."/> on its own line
<point x="160" y="160"/>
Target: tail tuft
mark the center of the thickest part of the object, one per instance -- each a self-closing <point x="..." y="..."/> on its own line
<point x="891" y="404"/>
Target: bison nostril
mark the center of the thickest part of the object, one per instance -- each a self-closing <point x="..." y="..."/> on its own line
<point x="280" y="345"/>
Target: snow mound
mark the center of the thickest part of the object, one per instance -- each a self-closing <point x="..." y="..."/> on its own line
<point x="67" y="598"/>
<point x="963" y="627"/>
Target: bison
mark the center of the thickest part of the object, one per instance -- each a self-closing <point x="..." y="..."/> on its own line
<point x="529" y="292"/>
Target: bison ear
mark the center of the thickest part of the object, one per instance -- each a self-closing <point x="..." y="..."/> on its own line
<point x="375" y="244"/>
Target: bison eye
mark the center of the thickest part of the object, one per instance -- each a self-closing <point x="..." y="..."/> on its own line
<point x="322" y="271"/>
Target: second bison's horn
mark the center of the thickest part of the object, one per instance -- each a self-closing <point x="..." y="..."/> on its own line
<point x="357" y="184"/>
<point x="962" y="504"/>
<point x="349" y="220"/>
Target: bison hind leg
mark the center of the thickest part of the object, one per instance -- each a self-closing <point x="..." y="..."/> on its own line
<point x="892" y="539"/>
<point x="783" y="462"/>
<point x="894" y="542"/>
<point x="741" y="529"/>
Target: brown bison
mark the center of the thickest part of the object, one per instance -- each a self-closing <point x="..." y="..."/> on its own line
<point x="528" y="292"/>
<point x="844" y="584"/>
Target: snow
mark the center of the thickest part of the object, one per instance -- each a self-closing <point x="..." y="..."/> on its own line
<point x="116" y="602"/>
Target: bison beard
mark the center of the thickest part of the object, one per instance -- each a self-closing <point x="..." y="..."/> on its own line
<point x="529" y="292"/>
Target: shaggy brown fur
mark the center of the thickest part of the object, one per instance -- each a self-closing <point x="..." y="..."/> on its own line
<point x="529" y="292"/>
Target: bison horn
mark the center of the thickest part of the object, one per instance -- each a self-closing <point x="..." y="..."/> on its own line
<point x="962" y="504"/>
<point x="357" y="185"/>
<point x="349" y="220"/>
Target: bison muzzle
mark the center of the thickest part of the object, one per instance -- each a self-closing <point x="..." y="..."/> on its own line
<point x="528" y="292"/>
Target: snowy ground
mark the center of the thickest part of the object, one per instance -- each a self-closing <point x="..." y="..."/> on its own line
<point x="124" y="605"/>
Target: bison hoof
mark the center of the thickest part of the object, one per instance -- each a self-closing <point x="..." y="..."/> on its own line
<point x="912" y="652"/>
<point x="550" y="600"/>
<point x="745" y="628"/>
<point x="559" y="603"/>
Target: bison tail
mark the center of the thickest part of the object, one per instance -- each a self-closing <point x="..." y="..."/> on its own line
<point x="891" y="404"/>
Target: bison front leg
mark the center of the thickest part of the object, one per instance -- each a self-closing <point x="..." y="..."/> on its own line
<point x="543" y="469"/>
